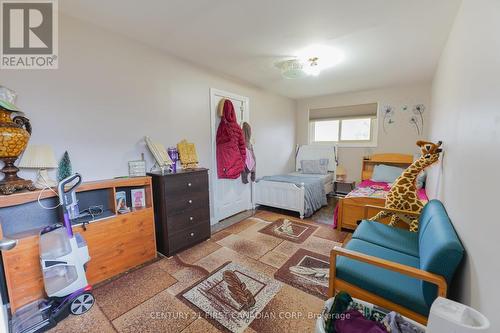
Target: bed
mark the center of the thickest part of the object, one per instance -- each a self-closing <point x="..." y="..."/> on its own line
<point x="296" y="191"/>
<point x="351" y="208"/>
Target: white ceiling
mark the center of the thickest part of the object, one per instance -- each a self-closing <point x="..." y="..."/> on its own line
<point x="385" y="42"/>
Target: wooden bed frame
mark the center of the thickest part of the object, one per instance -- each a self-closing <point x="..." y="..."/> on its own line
<point x="351" y="210"/>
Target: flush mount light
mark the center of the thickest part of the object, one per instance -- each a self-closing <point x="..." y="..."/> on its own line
<point x="291" y="69"/>
<point x="317" y="58"/>
<point x="310" y="61"/>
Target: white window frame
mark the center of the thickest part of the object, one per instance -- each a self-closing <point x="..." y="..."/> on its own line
<point x="348" y="143"/>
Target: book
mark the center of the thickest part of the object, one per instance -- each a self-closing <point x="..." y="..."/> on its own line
<point x="138" y="198"/>
<point x="121" y="202"/>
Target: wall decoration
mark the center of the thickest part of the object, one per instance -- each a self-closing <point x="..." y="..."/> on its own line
<point x="417" y="119"/>
<point x="137" y="168"/>
<point x="388" y="117"/>
<point x="65" y="170"/>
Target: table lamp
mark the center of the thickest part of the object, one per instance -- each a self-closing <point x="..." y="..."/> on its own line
<point x="40" y="157"/>
<point x="341" y="174"/>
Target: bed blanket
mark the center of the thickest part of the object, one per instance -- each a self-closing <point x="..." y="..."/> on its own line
<point x="314" y="191"/>
<point x="370" y="189"/>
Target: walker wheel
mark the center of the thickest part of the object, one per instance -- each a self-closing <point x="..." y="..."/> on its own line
<point x="82" y="303"/>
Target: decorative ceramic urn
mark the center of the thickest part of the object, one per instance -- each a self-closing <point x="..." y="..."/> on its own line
<point x="15" y="131"/>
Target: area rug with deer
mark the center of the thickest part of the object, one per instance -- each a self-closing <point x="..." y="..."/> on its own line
<point x="307" y="271"/>
<point x="290" y="230"/>
<point x="233" y="295"/>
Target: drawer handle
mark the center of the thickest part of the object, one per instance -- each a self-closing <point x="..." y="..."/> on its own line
<point x="191" y="234"/>
<point x="191" y="218"/>
<point x="189" y="184"/>
<point x="190" y="201"/>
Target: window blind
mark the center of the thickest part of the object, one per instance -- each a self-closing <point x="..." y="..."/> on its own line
<point x="359" y="110"/>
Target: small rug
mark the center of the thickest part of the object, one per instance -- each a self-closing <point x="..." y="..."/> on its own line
<point x="289" y="230"/>
<point x="307" y="271"/>
<point x="233" y="295"/>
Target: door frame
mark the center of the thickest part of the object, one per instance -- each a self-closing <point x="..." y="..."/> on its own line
<point x="214" y="92"/>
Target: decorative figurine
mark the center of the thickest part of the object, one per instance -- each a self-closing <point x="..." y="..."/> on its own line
<point x="174" y="156"/>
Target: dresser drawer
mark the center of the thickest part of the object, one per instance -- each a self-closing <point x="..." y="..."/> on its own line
<point x="183" y="184"/>
<point x="186" y="201"/>
<point x="188" y="237"/>
<point x="187" y="219"/>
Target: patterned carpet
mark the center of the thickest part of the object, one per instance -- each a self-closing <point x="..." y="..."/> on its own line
<point x="260" y="281"/>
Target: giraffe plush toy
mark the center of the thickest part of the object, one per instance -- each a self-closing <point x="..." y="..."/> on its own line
<point x="403" y="193"/>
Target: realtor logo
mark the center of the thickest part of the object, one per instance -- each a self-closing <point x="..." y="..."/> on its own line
<point x="28" y="34"/>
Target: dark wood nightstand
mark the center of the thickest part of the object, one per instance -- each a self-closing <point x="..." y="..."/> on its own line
<point x="342" y="188"/>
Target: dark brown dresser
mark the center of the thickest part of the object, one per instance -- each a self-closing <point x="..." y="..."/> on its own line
<point x="182" y="209"/>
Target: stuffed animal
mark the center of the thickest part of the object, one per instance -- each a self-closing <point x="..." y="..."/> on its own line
<point x="403" y="193"/>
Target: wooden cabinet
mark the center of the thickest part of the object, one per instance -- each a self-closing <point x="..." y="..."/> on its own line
<point x="116" y="243"/>
<point x="182" y="210"/>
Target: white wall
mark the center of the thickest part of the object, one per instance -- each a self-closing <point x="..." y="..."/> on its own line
<point x="466" y="116"/>
<point x="110" y="91"/>
<point x="400" y="137"/>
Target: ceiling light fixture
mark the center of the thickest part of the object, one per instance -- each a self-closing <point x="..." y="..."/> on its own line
<point x="310" y="61"/>
<point x="291" y="69"/>
<point x="317" y="58"/>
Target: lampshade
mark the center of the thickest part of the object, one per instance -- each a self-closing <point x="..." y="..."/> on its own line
<point x="341" y="171"/>
<point x="38" y="157"/>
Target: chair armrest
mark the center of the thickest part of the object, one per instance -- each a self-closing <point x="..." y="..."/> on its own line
<point x="416" y="273"/>
<point x="392" y="210"/>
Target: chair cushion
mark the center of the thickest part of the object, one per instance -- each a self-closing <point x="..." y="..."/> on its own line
<point x="393" y="286"/>
<point x="440" y="249"/>
<point x="392" y="238"/>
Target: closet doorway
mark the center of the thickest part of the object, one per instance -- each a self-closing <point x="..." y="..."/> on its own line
<point x="229" y="196"/>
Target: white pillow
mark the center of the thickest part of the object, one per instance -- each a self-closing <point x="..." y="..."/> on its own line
<point x="386" y="173"/>
<point x="314" y="166"/>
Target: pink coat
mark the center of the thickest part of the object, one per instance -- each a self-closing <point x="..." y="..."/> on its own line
<point x="230" y="145"/>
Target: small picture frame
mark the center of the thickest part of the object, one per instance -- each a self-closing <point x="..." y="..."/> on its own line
<point x="121" y="202"/>
<point x="137" y="168"/>
<point x="138" y="198"/>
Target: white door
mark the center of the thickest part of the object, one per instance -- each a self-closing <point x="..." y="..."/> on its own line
<point x="230" y="196"/>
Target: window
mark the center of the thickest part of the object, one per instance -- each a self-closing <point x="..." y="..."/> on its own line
<point x="326" y="131"/>
<point x="354" y="125"/>
<point x="341" y="130"/>
<point x="355" y="129"/>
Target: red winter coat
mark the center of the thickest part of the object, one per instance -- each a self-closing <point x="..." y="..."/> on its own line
<point x="231" y="152"/>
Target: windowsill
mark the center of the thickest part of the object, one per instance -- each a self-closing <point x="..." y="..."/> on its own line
<point x="348" y="144"/>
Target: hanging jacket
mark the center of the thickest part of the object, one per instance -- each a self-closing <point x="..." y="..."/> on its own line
<point x="250" y="162"/>
<point x="230" y="145"/>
